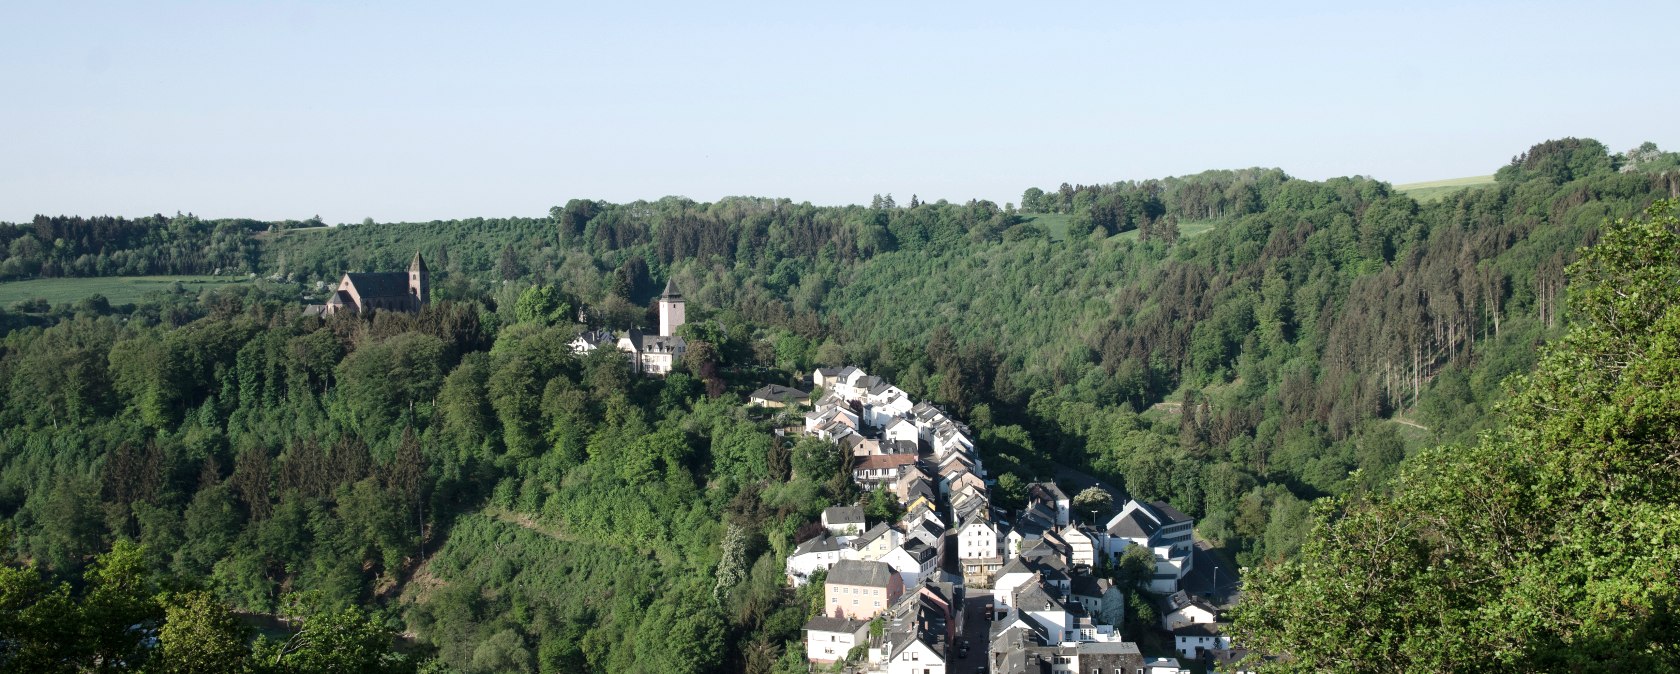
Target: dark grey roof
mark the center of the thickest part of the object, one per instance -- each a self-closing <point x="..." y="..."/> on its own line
<point x="824" y="623"/>
<point x="1034" y="597"/>
<point x="869" y="536"/>
<point x="843" y="514"/>
<point x="598" y="337"/>
<point x="918" y="550"/>
<point x="903" y="447"/>
<point x="828" y="371"/>
<point x="380" y="284"/>
<point x="418" y="264"/>
<point x="661" y="344"/>
<point x="867" y="382"/>
<point x="671" y="291"/>
<point x="858" y="572"/>
<point x="822" y="543"/>
<point x="1199" y="630"/>
<point x="1047" y="491"/>
<point x="779" y="393"/>
<point x="1086" y="585"/>
<point x="1133" y="525"/>
<point x="1169" y="514"/>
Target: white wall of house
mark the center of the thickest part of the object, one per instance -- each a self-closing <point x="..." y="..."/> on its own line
<point x="1187" y="646"/>
<point x="917" y="658"/>
<point x="977" y="539"/>
<point x="826" y="647"/>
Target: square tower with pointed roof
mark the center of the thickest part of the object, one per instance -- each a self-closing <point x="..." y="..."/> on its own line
<point x="670" y="309"/>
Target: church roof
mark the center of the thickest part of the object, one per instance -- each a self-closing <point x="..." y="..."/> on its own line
<point x="419" y="264"/>
<point x="379" y="284"/>
<point x="671" y="291"/>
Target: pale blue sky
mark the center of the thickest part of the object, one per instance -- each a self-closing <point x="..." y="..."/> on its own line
<point x="414" y="111"/>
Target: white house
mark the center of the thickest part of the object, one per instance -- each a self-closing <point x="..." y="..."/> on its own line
<point x="977" y="538"/>
<point x="821" y="552"/>
<point x="1019" y="572"/>
<point x="900" y="429"/>
<point x="915" y="656"/>
<point x="829" y="639"/>
<point x="917" y="638"/>
<point x="877" y="542"/>
<point x="1082" y="545"/>
<point x="1191" y="640"/>
<point x="913" y="560"/>
<point x="843" y="520"/>
<point x="1050" y="495"/>
<point x="1181" y="608"/>
<point x="826" y="377"/>
<point x="1168" y="533"/>
<point x="1103" y="601"/>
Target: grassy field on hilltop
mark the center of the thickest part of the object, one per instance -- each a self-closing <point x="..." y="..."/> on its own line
<point x="1434" y="190"/>
<point x="117" y="289"/>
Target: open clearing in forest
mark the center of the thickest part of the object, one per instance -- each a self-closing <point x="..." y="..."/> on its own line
<point x="1434" y="190"/>
<point x="1057" y="225"/>
<point x="117" y="289"/>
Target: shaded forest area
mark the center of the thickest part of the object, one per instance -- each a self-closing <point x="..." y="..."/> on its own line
<point x="1240" y="374"/>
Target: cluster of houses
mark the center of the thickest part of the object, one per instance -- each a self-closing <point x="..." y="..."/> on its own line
<point x="649" y="354"/>
<point x="894" y="591"/>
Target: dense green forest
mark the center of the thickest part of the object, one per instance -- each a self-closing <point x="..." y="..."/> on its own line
<point x="1302" y="346"/>
<point x="1551" y="543"/>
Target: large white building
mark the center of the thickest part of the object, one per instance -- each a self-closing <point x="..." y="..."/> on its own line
<point x="1167" y="533"/>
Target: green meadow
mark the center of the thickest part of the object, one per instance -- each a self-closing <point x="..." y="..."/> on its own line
<point x="117" y="289"/>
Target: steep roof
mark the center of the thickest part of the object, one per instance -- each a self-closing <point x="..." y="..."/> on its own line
<point x="379" y="283"/>
<point x="671" y="291"/>
<point x="858" y="572"/>
<point x="1169" y="514"/>
<point x="1134" y="524"/>
<point x="418" y="264"/>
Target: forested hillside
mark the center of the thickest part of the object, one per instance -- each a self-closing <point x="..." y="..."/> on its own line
<point x="1302" y="344"/>
<point x="1551" y="543"/>
<point x="1285" y="335"/>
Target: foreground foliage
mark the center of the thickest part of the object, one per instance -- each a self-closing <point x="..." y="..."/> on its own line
<point x="1552" y="543"/>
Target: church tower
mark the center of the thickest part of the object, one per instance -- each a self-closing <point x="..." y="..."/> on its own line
<point x="670" y="309"/>
<point x="419" y="282"/>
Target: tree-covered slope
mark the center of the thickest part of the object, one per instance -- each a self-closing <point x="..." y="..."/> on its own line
<point x="1550" y="543"/>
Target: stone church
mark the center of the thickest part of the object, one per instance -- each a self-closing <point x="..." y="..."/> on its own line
<point x="364" y="292"/>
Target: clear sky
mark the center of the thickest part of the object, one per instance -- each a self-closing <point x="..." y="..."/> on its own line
<point x="415" y="111"/>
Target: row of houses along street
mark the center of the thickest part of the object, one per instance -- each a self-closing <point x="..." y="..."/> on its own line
<point x="958" y="585"/>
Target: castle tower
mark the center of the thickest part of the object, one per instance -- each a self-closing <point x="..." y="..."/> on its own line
<point x="419" y="282"/>
<point x="670" y="309"/>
